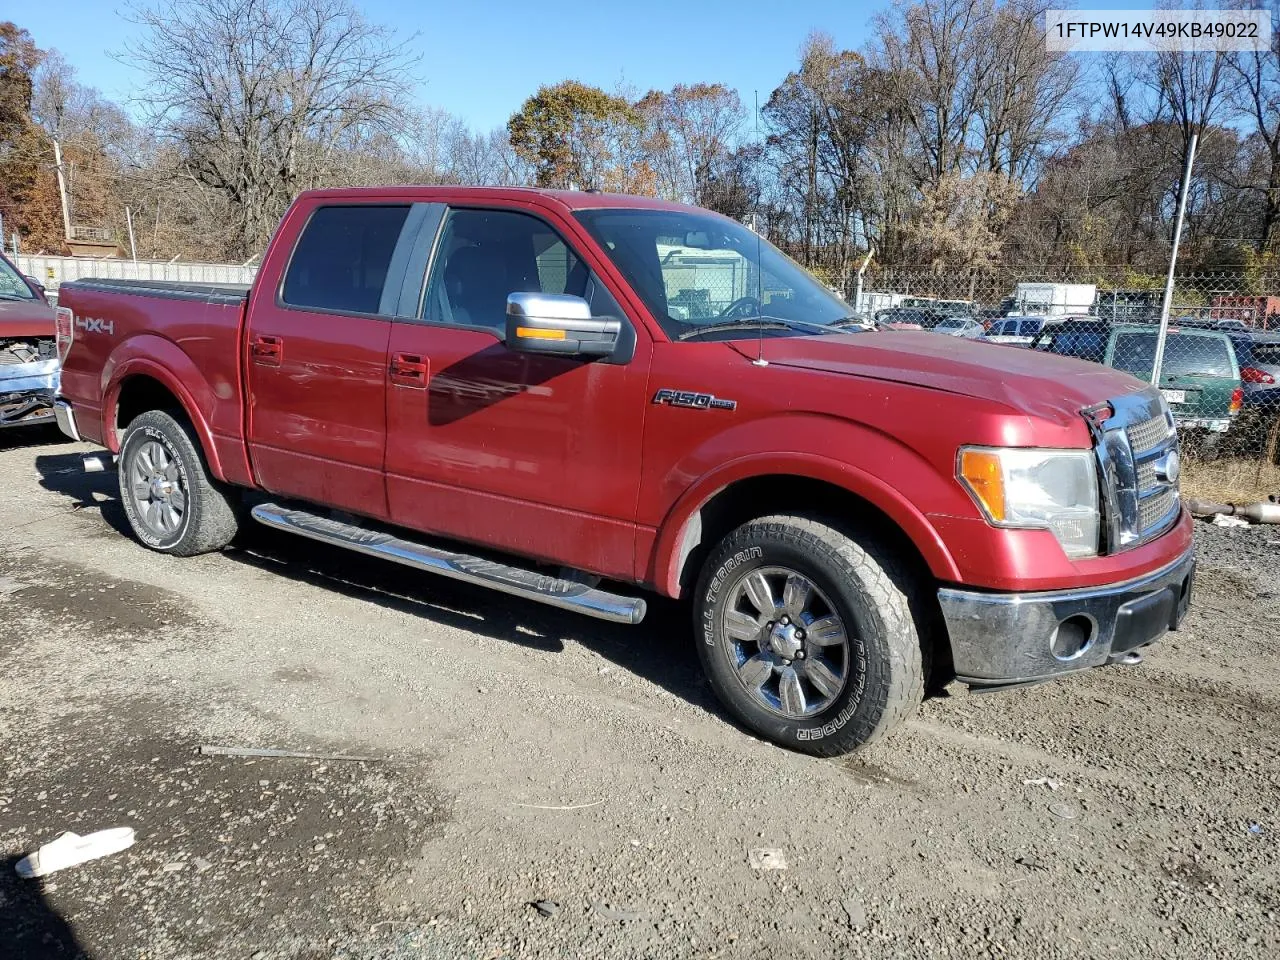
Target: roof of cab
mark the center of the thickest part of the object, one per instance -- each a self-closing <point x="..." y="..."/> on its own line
<point x="569" y="199"/>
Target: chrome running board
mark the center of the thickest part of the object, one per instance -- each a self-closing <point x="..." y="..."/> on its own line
<point x="553" y="591"/>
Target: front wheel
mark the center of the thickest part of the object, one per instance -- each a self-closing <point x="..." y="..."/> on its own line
<point x="807" y="635"/>
<point x="172" y="502"/>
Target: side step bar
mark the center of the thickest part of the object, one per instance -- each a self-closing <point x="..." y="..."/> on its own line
<point x="518" y="582"/>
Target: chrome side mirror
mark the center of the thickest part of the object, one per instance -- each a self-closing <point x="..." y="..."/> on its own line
<point x="560" y="324"/>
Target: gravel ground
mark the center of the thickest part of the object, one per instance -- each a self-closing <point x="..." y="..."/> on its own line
<point x="528" y="756"/>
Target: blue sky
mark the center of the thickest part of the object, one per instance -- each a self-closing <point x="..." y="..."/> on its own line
<point x="481" y="59"/>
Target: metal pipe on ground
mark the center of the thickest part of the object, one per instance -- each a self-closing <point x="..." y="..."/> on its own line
<point x="1253" y="512"/>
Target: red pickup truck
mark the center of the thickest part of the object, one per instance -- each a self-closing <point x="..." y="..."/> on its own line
<point x="574" y="397"/>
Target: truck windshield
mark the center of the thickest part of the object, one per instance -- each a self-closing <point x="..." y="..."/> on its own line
<point x="12" y="286"/>
<point x="697" y="270"/>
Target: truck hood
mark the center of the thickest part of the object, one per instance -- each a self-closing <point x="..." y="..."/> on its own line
<point x="1037" y="384"/>
<point x="26" y="318"/>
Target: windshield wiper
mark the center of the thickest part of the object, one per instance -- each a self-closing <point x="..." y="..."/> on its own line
<point x="852" y="320"/>
<point x="11" y="296"/>
<point x="761" y="322"/>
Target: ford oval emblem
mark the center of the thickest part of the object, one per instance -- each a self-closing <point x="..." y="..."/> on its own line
<point x="1168" y="467"/>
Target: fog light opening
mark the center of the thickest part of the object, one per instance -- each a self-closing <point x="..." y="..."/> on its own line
<point x="1073" y="637"/>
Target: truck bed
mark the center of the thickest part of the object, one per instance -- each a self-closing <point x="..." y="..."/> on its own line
<point x="167" y="289"/>
<point x="184" y="336"/>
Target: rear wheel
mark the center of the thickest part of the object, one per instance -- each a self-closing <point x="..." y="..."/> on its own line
<point x="807" y="636"/>
<point x="172" y="502"/>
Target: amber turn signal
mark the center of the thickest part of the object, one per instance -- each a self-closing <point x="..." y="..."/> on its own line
<point x="983" y="475"/>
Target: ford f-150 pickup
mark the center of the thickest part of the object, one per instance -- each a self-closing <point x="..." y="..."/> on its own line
<point x="576" y="397"/>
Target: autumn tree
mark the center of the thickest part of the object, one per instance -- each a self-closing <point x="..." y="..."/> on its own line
<point x="578" y="136"/>
<point x="28" y="195"/>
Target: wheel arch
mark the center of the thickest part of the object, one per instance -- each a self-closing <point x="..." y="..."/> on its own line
<point x="139" y="385"/>
<point x="751" y="488"/>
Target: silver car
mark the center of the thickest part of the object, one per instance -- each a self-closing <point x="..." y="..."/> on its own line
<point x="966" y="327"/>
<point x="1017" y="331"/>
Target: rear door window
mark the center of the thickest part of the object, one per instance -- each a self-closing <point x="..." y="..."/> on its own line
<point x="341" y="261"/>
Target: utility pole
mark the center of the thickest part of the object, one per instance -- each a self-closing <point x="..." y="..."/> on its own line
<point x="62" y="190"/>
<point x="1157" y="365"/>
<point x="133" y="247"/>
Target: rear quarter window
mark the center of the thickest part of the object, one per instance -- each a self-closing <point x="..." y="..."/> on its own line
<point x="341" y="259"/>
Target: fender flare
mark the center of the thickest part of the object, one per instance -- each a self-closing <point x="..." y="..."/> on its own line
<point x="669" y="554"/>
<point x="162" y="361"/>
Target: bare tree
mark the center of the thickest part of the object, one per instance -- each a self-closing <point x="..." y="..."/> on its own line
<point x="255" y="94"/>
<point x="690" y="134"/>
<point x="1027" y="94"/>
<point x="1257" y="95"/>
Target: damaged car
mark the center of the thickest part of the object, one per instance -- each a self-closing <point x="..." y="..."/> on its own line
<point x="28" y="350"/>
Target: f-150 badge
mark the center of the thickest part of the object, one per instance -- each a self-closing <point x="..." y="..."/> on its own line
<point x="699" y="401"/>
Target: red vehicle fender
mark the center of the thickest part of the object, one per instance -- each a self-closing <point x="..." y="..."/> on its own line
<point x="163" y="361"/>
<point x="668" y="555"/>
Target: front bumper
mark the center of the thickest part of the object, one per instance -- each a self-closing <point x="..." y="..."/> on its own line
<point x="1004" y="639"/>
<point x="26" y="393"/>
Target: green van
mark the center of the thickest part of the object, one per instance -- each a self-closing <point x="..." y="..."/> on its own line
<point x="1200" y="377"/>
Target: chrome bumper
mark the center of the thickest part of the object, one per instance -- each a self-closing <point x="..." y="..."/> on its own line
<point x="1004" y="639"/>
<point x="66" y="418"/>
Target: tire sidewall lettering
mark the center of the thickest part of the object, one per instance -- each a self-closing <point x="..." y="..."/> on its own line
<point x="140" y="529"/>
<point x="716" y="584"/>
<point x="852" y="700"/>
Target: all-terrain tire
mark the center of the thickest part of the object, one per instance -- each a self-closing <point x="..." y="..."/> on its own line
<point x="209" y="517"/>
<point x="863" y="585"/>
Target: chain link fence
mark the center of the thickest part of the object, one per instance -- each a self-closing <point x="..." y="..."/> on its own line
<point x="1218" y="366"/>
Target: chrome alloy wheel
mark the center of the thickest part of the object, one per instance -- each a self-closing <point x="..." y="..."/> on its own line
<point x="158" y="489"/>
<point x="786" y="641"/>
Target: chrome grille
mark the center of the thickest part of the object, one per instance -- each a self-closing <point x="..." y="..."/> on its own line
<point x="1148" y="435"/>
<point x="1132" y="444"/>
<point x="1153" y="509"/>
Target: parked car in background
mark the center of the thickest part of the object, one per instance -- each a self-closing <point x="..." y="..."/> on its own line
<point x="1255" y="431"/>
<point x="1017" y="331"/>
<point x="904" y="318"/>
<point x="1231" y="325"/>
<point x="1200" y="375"/>
<point x="966" y="327"/>
<point x="1083" y="338"/>
<point x="28" y="352"/>
<point x="1259" y="357"/>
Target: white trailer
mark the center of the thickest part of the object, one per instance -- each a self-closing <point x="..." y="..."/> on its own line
<point x="869" y="301"/>
<point x="1050" y="299"/>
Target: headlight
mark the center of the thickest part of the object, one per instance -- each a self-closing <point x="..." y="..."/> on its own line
<point x="1053" y="490"/>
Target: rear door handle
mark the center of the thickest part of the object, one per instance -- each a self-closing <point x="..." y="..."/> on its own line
<point x="409" y="370"/>
<point x="267" y="351"/>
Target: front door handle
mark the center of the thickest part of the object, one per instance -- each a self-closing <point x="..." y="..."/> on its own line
<point x="267" y="351"/>
<point x="409" y="370"/>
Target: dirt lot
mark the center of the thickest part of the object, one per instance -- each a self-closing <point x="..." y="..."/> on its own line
<point x="532" y="755"/>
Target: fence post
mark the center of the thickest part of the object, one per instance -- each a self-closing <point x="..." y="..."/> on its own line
<point x="857" y="296"/>
<point x="1157" y="365"/>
